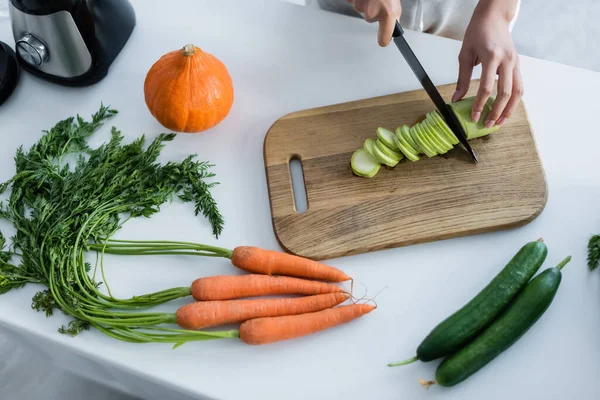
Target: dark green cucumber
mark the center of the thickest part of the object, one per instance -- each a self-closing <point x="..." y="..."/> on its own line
<point x="513" y="323"/>
<point x="462" y="326"/>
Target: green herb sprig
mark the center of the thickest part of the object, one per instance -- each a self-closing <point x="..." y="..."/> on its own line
<point x="594" y="252"/>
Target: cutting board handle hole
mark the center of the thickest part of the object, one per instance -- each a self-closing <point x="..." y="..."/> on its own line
<point x="298" y="184"/>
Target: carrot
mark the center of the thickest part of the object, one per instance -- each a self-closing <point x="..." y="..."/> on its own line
<point x="269" y="262"/>
<point x="212" y="313"/>
<point x="226" y="287"/>
<point x="248" y="258"/>
<point x="269" y="330"/>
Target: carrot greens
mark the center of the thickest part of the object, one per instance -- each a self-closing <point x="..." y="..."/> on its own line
<point x="62" y="210"/>
<point x="594" y="252"/>
<point x="58" y="210"/>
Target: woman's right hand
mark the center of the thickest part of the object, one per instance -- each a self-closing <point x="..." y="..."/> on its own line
<point x="386" y="12"/>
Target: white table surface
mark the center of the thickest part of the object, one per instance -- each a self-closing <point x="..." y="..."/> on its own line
<point x="285" y="58"/>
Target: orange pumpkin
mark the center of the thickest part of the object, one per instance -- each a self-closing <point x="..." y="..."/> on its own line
<point x="188" y="90"/>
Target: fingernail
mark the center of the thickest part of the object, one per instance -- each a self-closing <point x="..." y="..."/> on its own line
<point x="455" y="96"/>
<point x="501" y="121"/>
<point x="489" y="123"/>
<point x="476" y="116"/>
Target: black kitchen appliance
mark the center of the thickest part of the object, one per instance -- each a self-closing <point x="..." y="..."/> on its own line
<point x="9" y="72"/>
<point x="70" y="42"/>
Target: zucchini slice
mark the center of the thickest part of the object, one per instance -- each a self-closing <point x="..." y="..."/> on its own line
<point x="434" y="139"/>
<point x="438" y="135"/>
<point x="404" y="131"/>
<point x="399" y="138"/>
<point x="368" y="146"/>
<point x="393" y="154"/>
<point x="413" y="134"/>
<point x="423" y="144"/>
<point x="363" y="164"/>
<point x="436" y="120"/>
<point x="383" y="158"/>
<point x="387" y="137"/>
<point x="421" y="134"/>
<point x="407" y="150"/>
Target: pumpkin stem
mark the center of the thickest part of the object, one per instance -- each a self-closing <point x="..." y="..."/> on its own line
<point x="188" y="50"/>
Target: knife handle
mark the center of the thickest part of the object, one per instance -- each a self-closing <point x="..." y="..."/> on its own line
<point x="398" y="31"/>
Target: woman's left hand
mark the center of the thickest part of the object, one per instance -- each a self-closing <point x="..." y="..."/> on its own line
<point x="488" y="42"/>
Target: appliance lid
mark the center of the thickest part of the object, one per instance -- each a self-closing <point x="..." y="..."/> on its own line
<point x="9" y="71"/>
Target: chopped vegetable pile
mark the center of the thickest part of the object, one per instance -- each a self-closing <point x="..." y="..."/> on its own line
<point x="431" y="137"/>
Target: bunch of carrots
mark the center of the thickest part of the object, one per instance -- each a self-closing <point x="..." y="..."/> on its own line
<point x="61" y="211"/>
<point x="227" y="299"/>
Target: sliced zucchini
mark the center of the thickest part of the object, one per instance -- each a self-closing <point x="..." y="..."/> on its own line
<point x="363" y="164"/>
<point x="436" y="120"/>
<point x="393" y="154"/>
<point x="383" y="158"/>
<point x="431" y="136"/>
<point x="404" y="131"/>
<point x="441" y="149"/>
<point x="387" y="137"/>
<point x="423" y="146"/>
<point x="368" y="146"/>
<point x="406" y="148"/>
<point x="427" y="141"/>
<point x="399" y="138"/>
<point x="438" y="135"/>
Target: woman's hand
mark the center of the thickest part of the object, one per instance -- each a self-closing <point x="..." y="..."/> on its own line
<point x="488" y="41"/>
<point x="386" y="12"/>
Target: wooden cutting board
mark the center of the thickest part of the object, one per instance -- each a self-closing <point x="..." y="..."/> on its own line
<point x="431" y="199"/>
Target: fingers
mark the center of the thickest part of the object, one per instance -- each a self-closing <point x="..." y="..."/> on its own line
<point x="465" y="72"/>
<point x="488" y="77"/>
<point x="505" y="83"/>
<point x="359" y="5"/>
<point x="386" y="29"/>
<point x="515" y="98"/>
<point x="386" y="12"/>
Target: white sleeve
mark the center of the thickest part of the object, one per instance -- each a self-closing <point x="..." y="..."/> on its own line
<point x="448" y="18"/>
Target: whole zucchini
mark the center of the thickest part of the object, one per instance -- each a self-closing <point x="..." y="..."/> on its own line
<point x="526" y="309"/>
<point x="462" y="326"/>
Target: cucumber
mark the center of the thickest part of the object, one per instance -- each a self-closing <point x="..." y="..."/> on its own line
<point x="363" y="164"/>
<point x="387" y="137"/>
<point x="461" y="327"/>
<point x="523" y="312"/>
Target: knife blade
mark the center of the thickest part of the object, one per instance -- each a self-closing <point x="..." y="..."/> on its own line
<point x="444" y="109"/>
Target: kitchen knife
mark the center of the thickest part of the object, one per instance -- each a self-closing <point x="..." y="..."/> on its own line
<point x="444" y="109"/>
